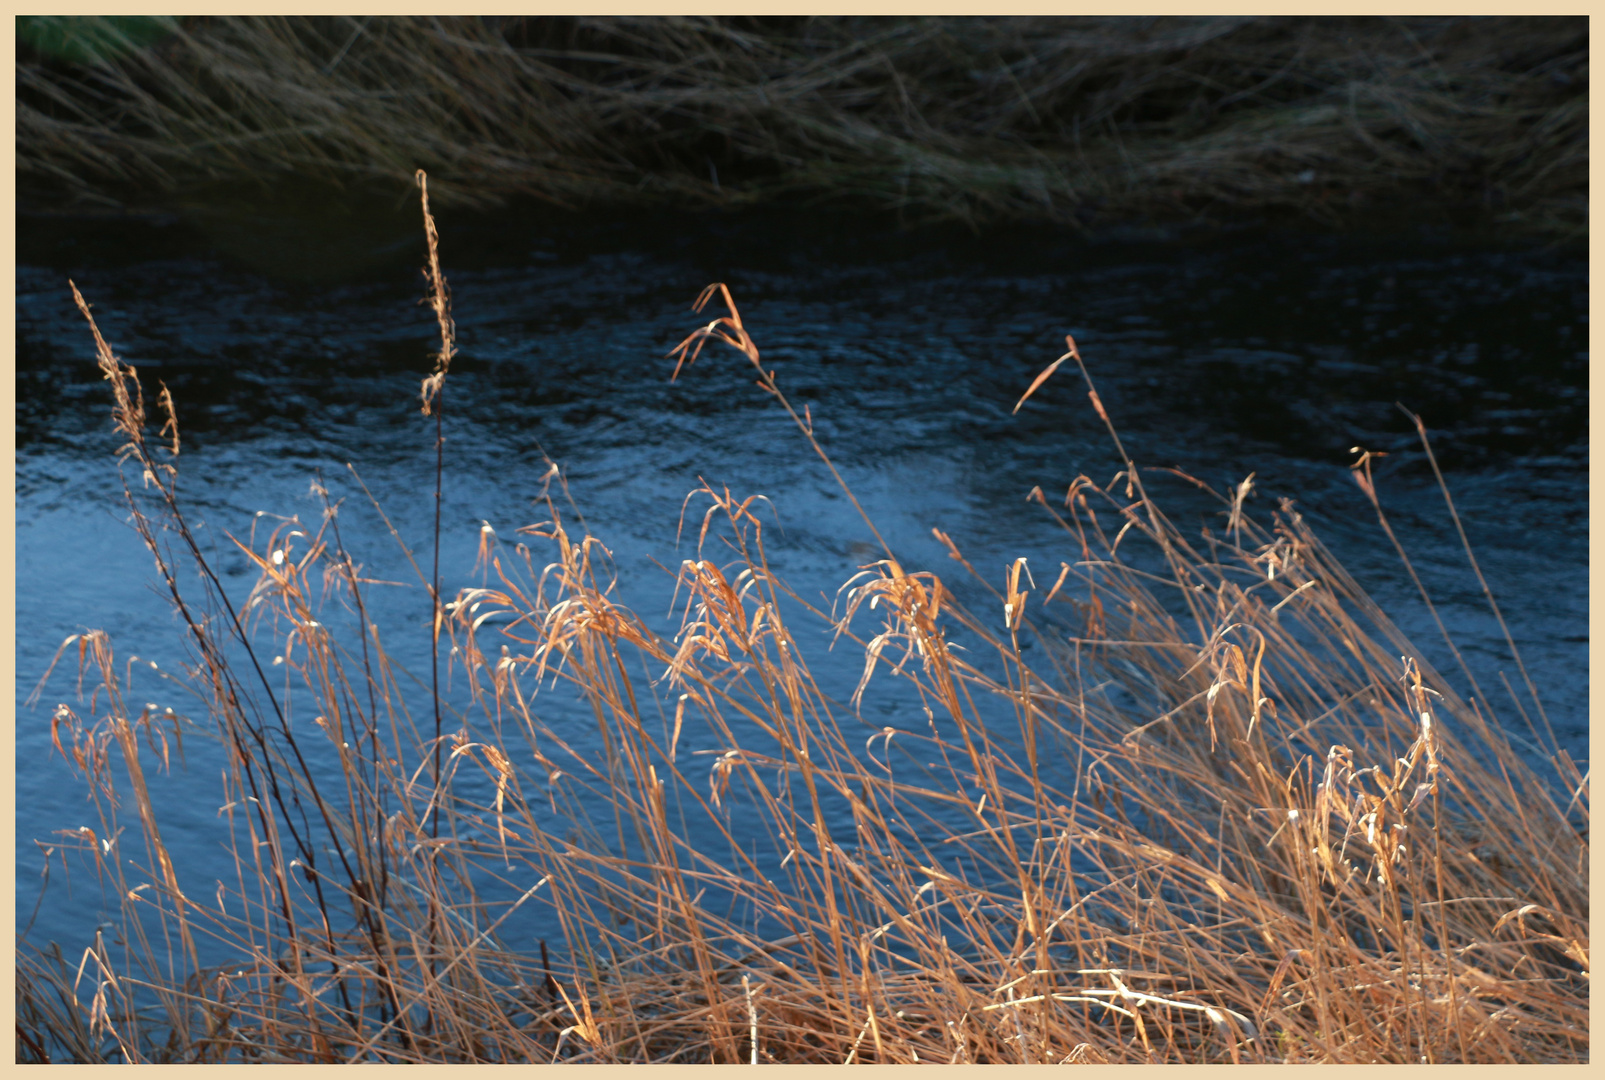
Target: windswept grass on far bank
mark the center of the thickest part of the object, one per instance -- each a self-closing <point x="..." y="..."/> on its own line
<point x="1219" y="810"/>
<point x="1070" y="119"/>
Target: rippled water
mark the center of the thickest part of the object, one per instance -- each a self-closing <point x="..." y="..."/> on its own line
<point x="297" y="345"/>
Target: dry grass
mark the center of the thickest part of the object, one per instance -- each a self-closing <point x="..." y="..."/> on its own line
<point x="1073" y="119"/>
<point x="1234" y="818"/>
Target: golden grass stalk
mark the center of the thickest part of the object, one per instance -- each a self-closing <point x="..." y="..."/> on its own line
<point x="1230" y="816"/>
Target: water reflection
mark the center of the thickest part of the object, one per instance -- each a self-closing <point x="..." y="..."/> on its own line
<point x="1255" y="352"/>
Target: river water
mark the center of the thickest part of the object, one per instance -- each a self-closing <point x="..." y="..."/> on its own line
<point x="294" y="344"/>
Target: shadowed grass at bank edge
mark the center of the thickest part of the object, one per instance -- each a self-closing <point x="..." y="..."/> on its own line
<point x="1080" y="120"/>
<point x="1225" y="813"/>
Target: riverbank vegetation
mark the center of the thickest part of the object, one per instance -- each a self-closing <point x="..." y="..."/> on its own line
<point x="1182" y="798"/>
<point x="1078" y="120"/>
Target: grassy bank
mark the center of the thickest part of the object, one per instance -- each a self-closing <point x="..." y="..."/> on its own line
<point x="1077" y="120"/>
<point x="1225" y="814"/>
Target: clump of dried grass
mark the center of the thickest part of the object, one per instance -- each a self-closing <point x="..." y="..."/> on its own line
<point x="1073" y="119"/>
<point x="1235" y="817"/>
